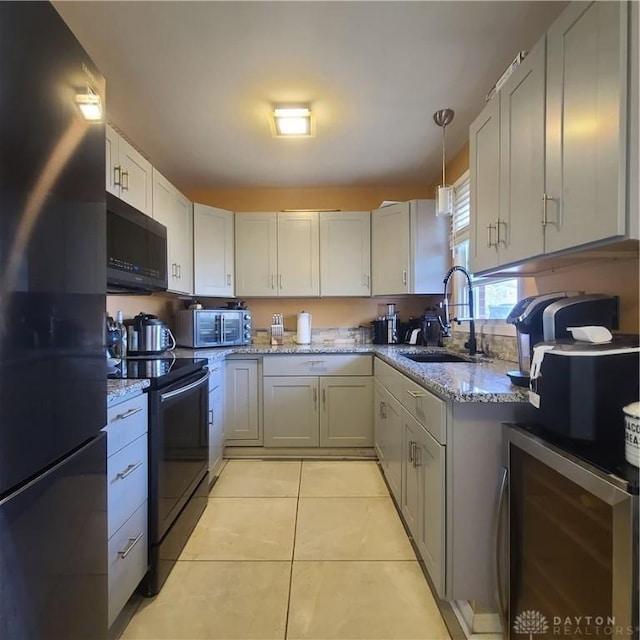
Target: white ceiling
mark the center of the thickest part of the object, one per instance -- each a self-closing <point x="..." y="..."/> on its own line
<point x="192" y="83"/>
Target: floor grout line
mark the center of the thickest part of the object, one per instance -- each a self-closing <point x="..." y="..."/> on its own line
<point x="293" y="553"/>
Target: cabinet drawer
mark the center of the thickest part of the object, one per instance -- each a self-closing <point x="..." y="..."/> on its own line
<point x="126" y="482"/>
<point x="389" y="377"/>
<point x="426" y="408"/>
<point x="127" y="560"/>
<point x="317" y="364"/>
<point x="126" y="422"/>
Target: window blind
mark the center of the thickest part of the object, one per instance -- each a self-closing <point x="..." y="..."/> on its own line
<point x="461" y="217"/>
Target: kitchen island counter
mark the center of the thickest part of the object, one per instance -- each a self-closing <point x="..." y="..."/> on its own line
<point x="481" y="379"/>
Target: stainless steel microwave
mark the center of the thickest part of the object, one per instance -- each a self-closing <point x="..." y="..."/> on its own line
<point x="136" y="250"/>
<point x="199" y="328"/>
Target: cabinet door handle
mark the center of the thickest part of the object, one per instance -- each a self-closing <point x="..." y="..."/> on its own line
<point x="324" y="398"/>
<point x="545" y="199"/>
<point x="272" y="281"/>
<point x="315" y="399"/>
<point x="179" y="266"/>
<point x="129" y="470"/>
<point x="228" y="279"/>
<point x="417" y="461"/>
<point x="117" y="176"/>
<point x="416" y="394"/>
<point x="383" y="410"/>
<point x="365" y="281"/>
<point x="127" y="414"/>
<point x="281" y="281"/>
<point x="489" y="242"/>
<point x="132" y="543"/>
<point x="499" y="240"/>
<point x="125" y="187"/>
<point x="404" y="276"/>
<point x="411" y="452"/>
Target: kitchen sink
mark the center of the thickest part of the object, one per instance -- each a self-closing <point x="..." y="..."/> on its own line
<point x="434" y="357"/>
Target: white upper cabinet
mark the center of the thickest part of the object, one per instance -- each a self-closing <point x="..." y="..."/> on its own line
<point x="345" y="253"/>
<point x="506" y="149"/>
<point x="277" y="254"/>
<point x="587" y="52"/>
<point x="409" y="248"/>
<point x="256" y="254"/>
<point x="174" y="211"/>
<point x="213" y="251"/>
<point x="559" y="180"/>
<point x="128" y="173"/>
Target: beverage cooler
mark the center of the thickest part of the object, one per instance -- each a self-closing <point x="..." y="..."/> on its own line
<point x="566" y="543"/>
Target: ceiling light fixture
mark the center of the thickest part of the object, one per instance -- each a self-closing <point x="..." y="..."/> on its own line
<point x="444" y="193"/>
<point x="292" y="121"/>
<point x="90" y="105"/>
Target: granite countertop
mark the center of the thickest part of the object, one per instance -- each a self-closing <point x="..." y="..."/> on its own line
<point x="479" y="380"/>
<point x="120" y="389"/>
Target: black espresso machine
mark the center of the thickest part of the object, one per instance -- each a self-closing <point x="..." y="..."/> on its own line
<point x="546" y="317"/>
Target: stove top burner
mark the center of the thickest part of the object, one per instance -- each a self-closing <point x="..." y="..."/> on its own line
<point x="158" y="370"/>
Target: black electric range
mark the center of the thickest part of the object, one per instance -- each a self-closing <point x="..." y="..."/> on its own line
<point x="159" y="371"/>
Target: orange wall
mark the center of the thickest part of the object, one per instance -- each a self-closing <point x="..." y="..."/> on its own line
<point x="272" y="199"/>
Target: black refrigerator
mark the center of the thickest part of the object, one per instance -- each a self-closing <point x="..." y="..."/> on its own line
<point x="53" y="529"/>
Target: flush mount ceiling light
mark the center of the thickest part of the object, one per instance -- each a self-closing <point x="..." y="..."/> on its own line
<point x="444" y="193"/>
<point x="90" y="105"/>
<point x="292" y="122"/>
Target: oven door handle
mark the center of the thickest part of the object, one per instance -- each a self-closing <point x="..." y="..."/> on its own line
<point x="189" y="387"/>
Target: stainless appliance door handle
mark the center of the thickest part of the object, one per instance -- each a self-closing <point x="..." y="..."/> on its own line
<point x="211" y="417"/>
<point x="127" y="414"/>
<point x="132" y="543"/>
<point x="117" y="176"/>
<point x="499" y="515"/>
<point x="189" y="387"/>
<point x="222" y="329"/>
<point x="129" y="470"/>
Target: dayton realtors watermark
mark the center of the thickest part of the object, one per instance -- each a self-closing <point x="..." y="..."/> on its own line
<point x="532" y="623"/>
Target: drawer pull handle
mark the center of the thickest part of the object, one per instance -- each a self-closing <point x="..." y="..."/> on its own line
<point x="132" y="543"/>
<point x="127" y="414"/>
<point x="416" y="394"/>
<point x="129" y="470"/>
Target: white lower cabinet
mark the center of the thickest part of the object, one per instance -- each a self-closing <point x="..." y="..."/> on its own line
<point x="447" y="456"/>
<point x="318" y="400"/>
<point x="127" y="493"/>
<point x="216" y="418"/>
<point x="242" y="416"/>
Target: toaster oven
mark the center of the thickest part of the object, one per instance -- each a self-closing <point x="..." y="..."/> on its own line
<point x="201" y="328"/>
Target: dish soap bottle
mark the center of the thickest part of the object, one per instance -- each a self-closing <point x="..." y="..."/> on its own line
<point x="122" y="331"/>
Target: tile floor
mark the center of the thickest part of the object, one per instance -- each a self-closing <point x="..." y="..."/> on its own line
<point x="294" y="550"/>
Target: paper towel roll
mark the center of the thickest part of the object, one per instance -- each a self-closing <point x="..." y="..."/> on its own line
<point x="303" y="333"/>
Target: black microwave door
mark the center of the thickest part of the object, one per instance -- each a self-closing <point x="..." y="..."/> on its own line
<point x="136" y="249"/>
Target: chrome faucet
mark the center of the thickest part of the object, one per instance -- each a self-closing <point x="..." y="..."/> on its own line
<point x="471" y="344"/>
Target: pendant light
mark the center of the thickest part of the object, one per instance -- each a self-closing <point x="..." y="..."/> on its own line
<point x="444" y="193"/>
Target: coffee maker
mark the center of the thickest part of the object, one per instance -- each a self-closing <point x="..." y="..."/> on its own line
<point x="385" y="328"/>
<point x="546" y="317"/>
